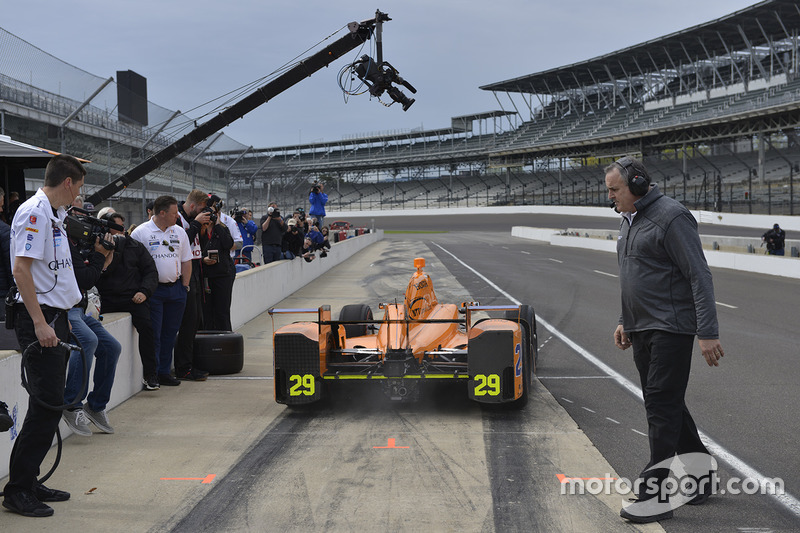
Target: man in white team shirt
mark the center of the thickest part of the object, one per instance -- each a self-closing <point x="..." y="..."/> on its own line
<point x="169" y="246"/>
<point x="42" y="266"/>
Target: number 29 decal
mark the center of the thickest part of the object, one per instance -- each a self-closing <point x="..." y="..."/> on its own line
<point x="487" y="385"/>
<point x="303" y="385"/>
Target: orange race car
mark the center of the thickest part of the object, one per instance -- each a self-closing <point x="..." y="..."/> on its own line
<point x="419" y="340"/>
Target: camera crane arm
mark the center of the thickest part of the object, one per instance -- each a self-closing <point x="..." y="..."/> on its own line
<point x="358" y="34"/>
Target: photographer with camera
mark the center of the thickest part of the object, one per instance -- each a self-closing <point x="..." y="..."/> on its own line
<point x="272" y="229"/>
<point x="194" y="213"/>
<point x="217" y="268"/>
<point x="248" y="228"/>
<point x="128" y="280"/>
<point x="42" y="267"/>
<point x="317" y="199"/>
<point x="89" y="256"/>
<point x="292" y="241"/>
<point x="775" y="239"/>
<point x="307" y="251"/>
<point x="215" y="202"/>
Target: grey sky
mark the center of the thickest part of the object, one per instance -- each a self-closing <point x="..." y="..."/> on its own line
<point x="194" y="51"/>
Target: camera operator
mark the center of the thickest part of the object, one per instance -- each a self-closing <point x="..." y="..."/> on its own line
<point x="272" y="229"/>
<point x="193" y="213"/>
<point x="88" y="261"/>
<point x="775" y="239"/>
<point x="326" y="243"/>
<point x="128" y="280"/>
<point x="307" y="251"/>
<point x="248" y="228"/>
<point x="42" y="267"/>
<point x="317" y="199"/>
<point x="215" y="202"/>
<point x="292" y="241"/>
<point x="216" y="240"/>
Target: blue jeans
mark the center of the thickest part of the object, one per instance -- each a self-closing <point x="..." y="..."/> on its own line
<point x="166" y="313"/>
<point x="97" y="342"/>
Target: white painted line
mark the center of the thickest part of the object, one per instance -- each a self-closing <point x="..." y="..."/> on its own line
<point x="524" y="252"/>
<point x="726" y="305"/>
<point x="612" y="420"/>
<point x="574" y="377"/>
<point x="639" y="432"/>
<point x="582" y="407"/>
<point x="606" y="274"/>
<point x="549" y="259"/>
<point x="791" y="503"/>
<point x="569" y="401"/>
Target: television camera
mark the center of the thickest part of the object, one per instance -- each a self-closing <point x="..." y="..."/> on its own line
<point x="379" y="77"/>
<point x="85" y="229"/>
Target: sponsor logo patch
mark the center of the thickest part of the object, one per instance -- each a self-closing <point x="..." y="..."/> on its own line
<point x="32" y="218"/>
<point x="27" y="246"/>
<point x="33" y="230"/>
<point x="30" y="237"/>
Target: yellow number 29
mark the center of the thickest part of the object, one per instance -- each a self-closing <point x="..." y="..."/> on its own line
<point x="487" y="385"/>
<point x="303" y="385"/>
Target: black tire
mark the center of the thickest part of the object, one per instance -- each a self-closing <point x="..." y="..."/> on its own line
<point x="528" y="319"/>
<point x="354" y="313"/>
<point x="219" y="352"/>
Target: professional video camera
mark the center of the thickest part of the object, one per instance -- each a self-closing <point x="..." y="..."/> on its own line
<point x="85" y="229"/>
<point x="379" y="77"/>
<point x="315" y="187"/>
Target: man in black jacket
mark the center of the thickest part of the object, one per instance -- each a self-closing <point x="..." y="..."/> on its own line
<point x="128" y="279"/>
<point x="192" y="217"/>
<point x="99" y="346"/>
<point x="5" y="257"/>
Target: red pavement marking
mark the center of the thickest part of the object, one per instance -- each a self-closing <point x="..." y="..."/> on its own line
<point x="208" y="479"/>
<point x="390" y="446"/>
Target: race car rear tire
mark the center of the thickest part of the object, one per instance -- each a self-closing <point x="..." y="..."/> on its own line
<point x="528" y="319"/>
<point x="354" y="313"/>
<point x="527" y="379"/>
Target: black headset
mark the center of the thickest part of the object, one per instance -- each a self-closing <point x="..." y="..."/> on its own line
<point x="638" y="180"/>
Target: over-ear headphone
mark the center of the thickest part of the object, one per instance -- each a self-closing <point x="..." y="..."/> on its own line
<point x="638" y="180"/>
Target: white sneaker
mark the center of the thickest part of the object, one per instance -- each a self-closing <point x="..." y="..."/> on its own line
<point x="99" y="419"/>
<point x="76" y="420"/>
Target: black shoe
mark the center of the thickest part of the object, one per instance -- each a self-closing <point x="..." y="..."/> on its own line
<point x="193" y="375"/>
<point x="708" y="489"/>
<point x="150" y="383"/>
<point x="26" y="504"/>
<point x="5" y="419"/>
<point x="45" y="494"/>
<point x="167" y="380"/>
<point x="646" y="519"/>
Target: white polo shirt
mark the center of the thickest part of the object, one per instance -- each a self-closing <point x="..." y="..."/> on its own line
<point x="233" y="227"/>
<point x="169" y="248"/>
<point x="38" y="233"/>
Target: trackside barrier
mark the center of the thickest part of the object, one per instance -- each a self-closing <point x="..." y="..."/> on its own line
<point x="254" y="291"/>
<point x="763" y="264"/>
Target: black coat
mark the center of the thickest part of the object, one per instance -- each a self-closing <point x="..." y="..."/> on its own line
<point x="132" y="270"/>
<point x="221" y="241"/>
<point x="5" y="258"/>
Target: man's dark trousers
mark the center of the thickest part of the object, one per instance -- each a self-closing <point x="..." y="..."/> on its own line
<point x="664" y="360"/>
<point x="140" y="316"/>
<point x="46" y="372"/>
<point x="192" y="315"/>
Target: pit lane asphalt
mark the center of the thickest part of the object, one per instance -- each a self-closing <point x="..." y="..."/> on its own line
<point x="222" y="456"/>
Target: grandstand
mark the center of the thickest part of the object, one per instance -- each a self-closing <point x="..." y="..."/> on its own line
<point x="713" y="109"/>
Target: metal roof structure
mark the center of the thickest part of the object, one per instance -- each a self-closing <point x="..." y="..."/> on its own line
<point x="755" y="26"/>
